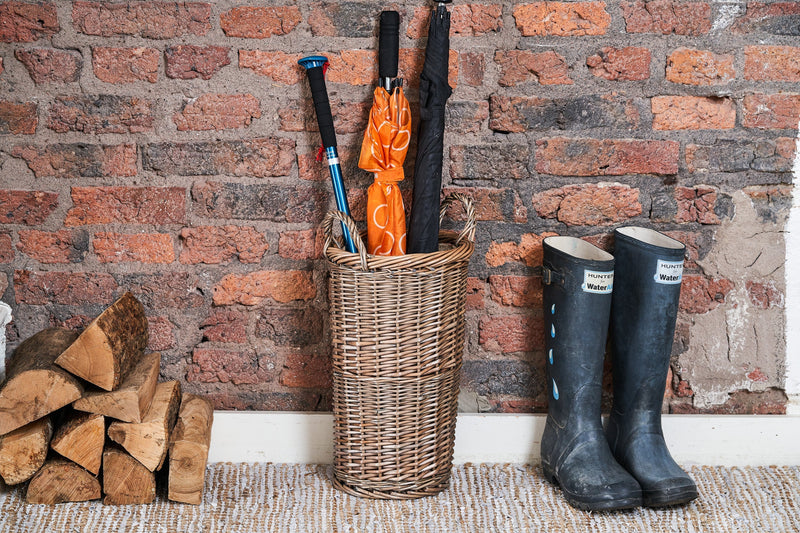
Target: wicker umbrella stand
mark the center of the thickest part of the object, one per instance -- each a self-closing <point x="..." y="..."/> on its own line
<point x="397" y="327"/>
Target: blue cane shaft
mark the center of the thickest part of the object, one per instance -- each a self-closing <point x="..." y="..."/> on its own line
<point x="339" y="193"/>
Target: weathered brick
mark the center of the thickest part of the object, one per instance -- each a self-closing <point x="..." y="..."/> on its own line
<point x="161" y="334"/>
<point x="240" y="367"/>
<point x="311" y="166"/>
<point x="700" y="294"/>
<point x="348" y="117"/>
<point x="276" y="65"/>
<point x="277" y="203"/>
<point x="261" y="158"/>
<point x="609" y="157"/>
<point x="125" y="65"/>
<point x="562" y="18"/>
<point x="697" y="245"/>
<point x="497" y="379"/>
<point x="1" y="65"/>
<point x="516" y="114"/>
<point x="511" y="333"/>
<point x="306" y="371"/>
<point x="466" y="117"/>
<point x="465" y="20"/>
<point x="221" y="244"/>
<point x="772" y="63"/>
<point x="127" y="205"/>
<point x="742" y="402"/>
<point x="517" y="291"/>
<point x="256" y="22"/>
<point x="589" y="204"/>
<point x="728" y="155"/>
<point x="528" y="251"/>
<point x="342" y="19"/>
<point x="693" y="113"/>
<point x="771" y="111"/>
<point x="764" y="294"/>
<point x="79" y="160"/>
<point x="239" y="399"/>
<point x="253" y="288"/>
<point x="187" y="61"/>
<point x="360" y="67"/>
<point x="47" y="65"/>
<point x="521" y="66"/>
<point x="165" y="290"/>
<point x="631" y="63"/>
<point x="489" y="162"/>
<point x="300" y="245"/>
<point x="22" y="22"/>
<point x="63" y="246"/>
<point x="26" y="207"/>
<point x="6" y="249"/>
<point x="489" y="204"/>
<point x="476" y="290"/>
<point x="666" y="17"/>
<point x="218" y="112"/>
<point x="18" y="118"/>
<point x="472" y="67"/>
<point x="135" y="247"/>
<point x="290" y="327"/>
<point x="151" y="20"/>
<point x="700" y="67"/>
<point x="225" y="325"/>
<point x="779" y="18"/>
<point x="696" y="204"/>
<point x="104" y="113"/>
<point x="69" y="288"/>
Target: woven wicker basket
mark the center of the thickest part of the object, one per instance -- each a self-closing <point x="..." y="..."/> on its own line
<point x="397" y="327"/>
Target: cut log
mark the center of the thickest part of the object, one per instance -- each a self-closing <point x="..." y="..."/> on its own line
<point x="188" y="453"/>
<point x="34" y="386"/>
<point x="148" y="441"/>
<point x="61" y="481"/>
<point x="110" y="345"/>
<point x="24" y="450"/>
<point x="126" y="480"/>
<point x="80" y="439"/>
<point x="132" y="399"/>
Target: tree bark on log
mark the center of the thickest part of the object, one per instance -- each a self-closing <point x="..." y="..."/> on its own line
<point x="24" y="450"/>
<point x="188" y="452"/>
<point x="80" y="439"/>
<point x="126" y="480"/>
<point x="59" y="481"/>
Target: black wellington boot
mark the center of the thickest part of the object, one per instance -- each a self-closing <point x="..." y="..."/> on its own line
<point x="578" y="279"/>
<point x="647" y="286"/>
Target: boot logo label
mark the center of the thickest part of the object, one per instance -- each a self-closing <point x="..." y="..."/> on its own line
<point x="597" y="282"/>
<point x="669" y="272"/>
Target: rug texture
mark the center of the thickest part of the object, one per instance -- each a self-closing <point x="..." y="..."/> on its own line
<point x="250" y="498"/>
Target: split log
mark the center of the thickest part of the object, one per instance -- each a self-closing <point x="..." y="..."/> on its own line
<point x="61" y="481"/>
<point x="110" y="345"/>
<point x="34" y="386"/>
<point x="148" y="441"/>
<point x="80" y="439"/>
<point x="188" y="453"/>
<point x="24" y="450"/>
<point x="126" y="480"/>
<point x="132" y="399"/>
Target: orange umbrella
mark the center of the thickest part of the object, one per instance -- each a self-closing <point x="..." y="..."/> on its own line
<point x="383" y="152"/>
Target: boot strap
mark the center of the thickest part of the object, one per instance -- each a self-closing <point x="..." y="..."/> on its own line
<point x="551" y="276"/>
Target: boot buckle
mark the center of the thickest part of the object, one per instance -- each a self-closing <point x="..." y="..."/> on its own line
<point x="551" y="276"/>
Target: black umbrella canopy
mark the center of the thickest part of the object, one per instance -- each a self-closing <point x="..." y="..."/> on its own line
<point x="423" y="228"/>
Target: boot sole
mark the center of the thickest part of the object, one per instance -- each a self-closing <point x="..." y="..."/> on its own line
<point x="588" y="504"/>
<point x="667" y="498"/>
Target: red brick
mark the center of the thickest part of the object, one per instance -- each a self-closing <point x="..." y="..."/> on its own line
<point x="161" y="333"/>
<point x="472" y="66"/>
<point x="253" y="288"/>
<point x="136" y="247"/>
<point x="22" y="22"/>
<point x="562" y="18"/>
<point x="240" y="367"/>
<point x="360" y="67"/>
<point x="342" y="19"/>
<point x="127" y="205"/>
<point x="259" y="22"/>
<point x="186" y="61"/>
<point x="46" y="65"/>
<point x="69" y="288"/>
<point x="301" y="244"/>
<point x="466" y="117"/>
<point x="521" y="66"/>
<point x="221" y="244"/>
<point x="489" y="204"/>
<point x="152" y="20"/>
<point x="218" y="112"/>
<point x="26" y="207"/>
<point x="696" y="204"/>
<point x="3" y="285"/>
<point x="52" y="247"/>
<point x="273" y="202"/>
<point x="125" y="65"/>
<point x="6" y="249"/>
<point x="764" y="294"/>
<point x="312" y="166"/>
<point x="610" y="157"/>
<point x="696" y="243"/>
<point x="225" y="325"/>
<point x="290" y="327"/>
<point x="666" y="17"/>
<point x="165" y="289"/>
<point x="18" y="118"/>
<point x="306" y="371"/>
<point x="476" y="291"/>
<point x="726" y="155"/>
<point x="700" y="67"/>
<point x="511" y="333"/>
<point x="589" y="204"/>
<point x="772" y="63"/>
<point x="348" y="117"/>
<point x="625" y="64"/>
<point x="517" y="291"/>
<point x="278" y="66"/>
<point x="100" y="114"/>
<point x="465" y="20"/>
<point x="484" y="162"/>
<point x="79" y="160"/>
<point x="700" y="294"/>
<point x="779" y="18"/>
<point x="693" y="113"/>
<point x="528" y="252"/>
<point x="771" y="111"/>
<point x="1" y="65"/>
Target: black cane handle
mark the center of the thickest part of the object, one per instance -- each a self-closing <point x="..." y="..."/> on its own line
<point x="319" y="93"/>
<point x="388" y="44"/>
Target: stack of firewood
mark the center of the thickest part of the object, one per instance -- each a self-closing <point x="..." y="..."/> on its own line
<point x="75" y="409"/>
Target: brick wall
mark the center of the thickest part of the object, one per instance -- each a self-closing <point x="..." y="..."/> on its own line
<point x="169" y="149"/>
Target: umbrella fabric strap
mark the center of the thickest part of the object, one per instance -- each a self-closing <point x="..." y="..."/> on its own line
<point x="391" y="175"/>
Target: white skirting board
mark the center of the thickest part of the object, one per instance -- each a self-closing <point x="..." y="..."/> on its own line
<point x="715" y="440"/>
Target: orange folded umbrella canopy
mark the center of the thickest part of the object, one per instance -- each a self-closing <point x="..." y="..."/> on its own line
<point x="383" y="152"/>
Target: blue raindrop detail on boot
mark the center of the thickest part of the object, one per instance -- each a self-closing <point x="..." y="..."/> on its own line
<point x="553" y="331"/>
<point x="550" y="354"/>
<point x="553" y="309"/>
<point x="555" y="390"/>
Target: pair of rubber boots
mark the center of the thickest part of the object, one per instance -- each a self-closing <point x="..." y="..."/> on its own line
<point x="628" y="464"/>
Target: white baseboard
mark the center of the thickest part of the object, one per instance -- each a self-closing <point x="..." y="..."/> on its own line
<point x="716" y="440"/>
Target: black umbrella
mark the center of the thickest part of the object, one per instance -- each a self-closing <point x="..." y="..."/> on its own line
<point x="423" y="228"/>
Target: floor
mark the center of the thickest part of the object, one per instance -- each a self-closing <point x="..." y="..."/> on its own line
<point x="250" y="498"/>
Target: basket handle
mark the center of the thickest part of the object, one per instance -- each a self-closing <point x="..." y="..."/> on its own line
<point x="349" y="223"/>
<point x="469" y="227"/>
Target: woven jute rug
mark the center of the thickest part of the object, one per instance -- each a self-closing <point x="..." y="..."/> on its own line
<point x="249" y="498"/>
